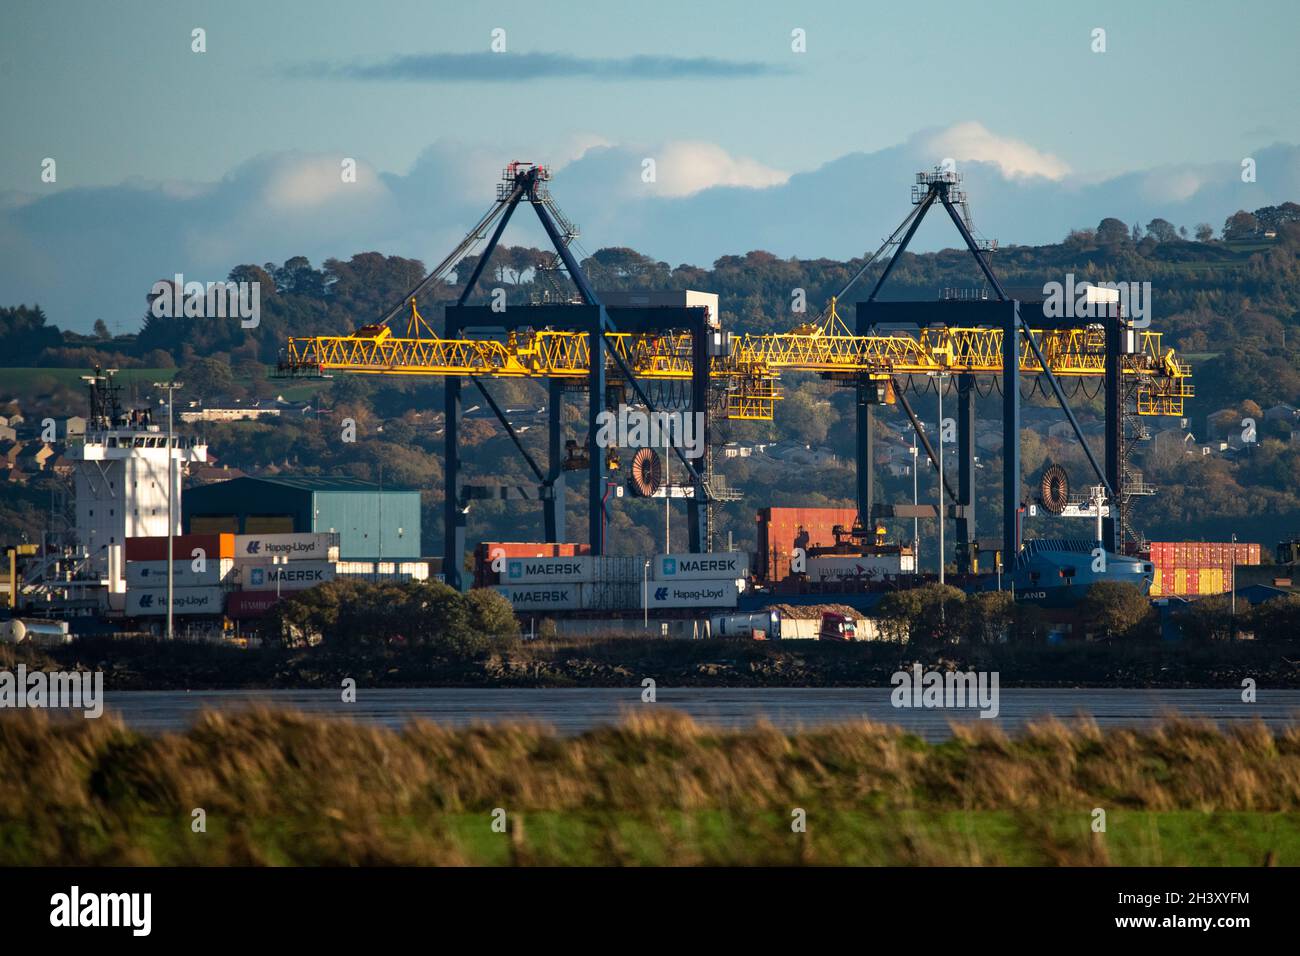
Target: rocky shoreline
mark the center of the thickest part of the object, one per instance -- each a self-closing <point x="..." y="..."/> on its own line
<point x="626" y="661"/>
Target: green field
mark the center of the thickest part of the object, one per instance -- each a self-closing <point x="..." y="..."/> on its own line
<point x="30" y="381"/>
<point x="285" y="789"/>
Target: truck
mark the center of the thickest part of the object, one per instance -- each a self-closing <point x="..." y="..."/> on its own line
<point x="837" y="627"/>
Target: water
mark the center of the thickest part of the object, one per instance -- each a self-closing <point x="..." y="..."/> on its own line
<point x="573" y="711"/>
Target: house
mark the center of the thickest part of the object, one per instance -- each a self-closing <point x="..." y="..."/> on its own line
<point x="61" y="464"/>
<point x="735" y="449"/>
<point x="1281" y="412"/>
<point x="72" y="427"/>
<point x="1224" y="422"/>
<point x="34" y="455"/>
<point x="1176" y="438"/>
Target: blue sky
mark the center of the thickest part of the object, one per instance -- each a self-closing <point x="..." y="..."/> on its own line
<point x="114" y="89"/>
<point x="141" y="126"/>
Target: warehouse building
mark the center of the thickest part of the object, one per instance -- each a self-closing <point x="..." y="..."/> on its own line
<point x="372" y="523"/>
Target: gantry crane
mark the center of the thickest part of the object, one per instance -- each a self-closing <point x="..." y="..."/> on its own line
<point x="555" y="343"/>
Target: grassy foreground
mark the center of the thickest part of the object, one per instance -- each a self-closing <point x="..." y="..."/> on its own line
<point x="280" y="788"/>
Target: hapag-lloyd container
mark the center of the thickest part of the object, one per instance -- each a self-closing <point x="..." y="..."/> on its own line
<point x="142" y="602"/>
<point x="308" y="546"/>
<point x="153" y="574"/>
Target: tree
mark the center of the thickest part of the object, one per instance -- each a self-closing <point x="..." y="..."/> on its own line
<point x="1113" y="609"/>
<point x="1111" y="232"/>
<point x="1162" y="230"/>
<point x="101" y="331"/>
<point x="1204" y="232"/>
<point x="207" y="378"/>
<point x="931" y="612"/>
<point x="1241" y="225"/>
<point x="24" y="334"/>
<point x="1209" y="619"/>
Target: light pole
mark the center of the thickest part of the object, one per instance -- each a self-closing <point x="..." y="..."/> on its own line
<point x="916" y="522"/>
<point x="1233" y="584"/>
<point x="645" y="596"/>
<point x="170" y="388"/>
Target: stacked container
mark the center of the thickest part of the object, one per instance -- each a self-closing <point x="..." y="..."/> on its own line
<point x="195" y="590"/>
<point x="1188" y="568"/>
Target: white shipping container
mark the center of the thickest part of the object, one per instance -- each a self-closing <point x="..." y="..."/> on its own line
<point x="309" y="546"/>
<point x="864" y="567"/>
<point x="547" y="570"/>
<point x="290" y="576"/>
<point x="618" y="596"/>
<point x="719" y="566"/>
<point x="560" y="596"/>
<point x="149" y="601"/>
<point x="153" y="574"/>
<point x="702" y="594"/>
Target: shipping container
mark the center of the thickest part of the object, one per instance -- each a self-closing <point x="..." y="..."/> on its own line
<point x="853" y="567"/>
<point x="571" y="569"/>
<point x="489" y="557"/>
<point x="243" y="605"/>
<point x="718" y="566"/>
<point x="619" y="596"/>
<point x="147" y="574"/>
<point x="315" y="546"/>
<point x="691" y="594"/>
<point x="781" y="530"/>
<point x="146" y="602"/>
<point x="549" y="570"/>
<point x="183" y="546"/>
<point x="542" y="597"/>
<point x="290" y="576"/>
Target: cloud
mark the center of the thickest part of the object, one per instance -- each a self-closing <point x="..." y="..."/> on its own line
<point x="490" y="67"/>
<point x="684" y="168"/>
<point x="972" y="142"/>
<point x="87" y="253"/>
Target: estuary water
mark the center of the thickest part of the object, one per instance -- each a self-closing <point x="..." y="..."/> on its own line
<point x="572" y="711"/>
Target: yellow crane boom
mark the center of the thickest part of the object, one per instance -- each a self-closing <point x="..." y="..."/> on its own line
<point x="750" y="371"/>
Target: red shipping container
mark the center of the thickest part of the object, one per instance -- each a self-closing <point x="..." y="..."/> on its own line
<point x="183" y="546"/>
<point x="242" y="605"/>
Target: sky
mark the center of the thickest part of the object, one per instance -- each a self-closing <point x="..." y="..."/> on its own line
<point x="170" y="160"/>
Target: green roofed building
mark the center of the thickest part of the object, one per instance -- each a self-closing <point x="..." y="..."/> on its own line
<point x="371" y="523"/>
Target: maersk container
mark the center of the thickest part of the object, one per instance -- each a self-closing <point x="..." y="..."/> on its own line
<point x="153" y="574"/>
<point x="547" y="570"/>
<point x="290" y="576"/>
<point x="718" y="566"/>
<point x="555" y="596"/>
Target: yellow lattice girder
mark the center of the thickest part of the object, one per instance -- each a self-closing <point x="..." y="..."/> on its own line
<point x="750" y="371"/>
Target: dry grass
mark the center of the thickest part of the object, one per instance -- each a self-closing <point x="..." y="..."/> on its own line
<point x="280" y="787"/>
